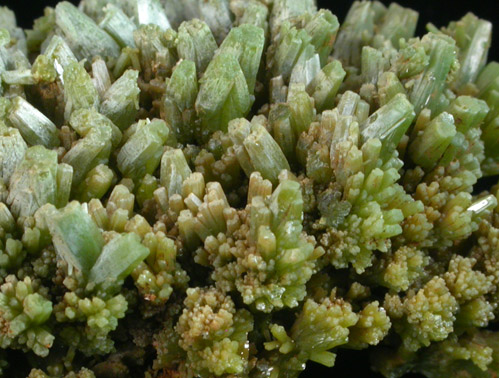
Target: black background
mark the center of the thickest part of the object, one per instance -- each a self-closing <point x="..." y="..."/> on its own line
<point x="439" y="12"/>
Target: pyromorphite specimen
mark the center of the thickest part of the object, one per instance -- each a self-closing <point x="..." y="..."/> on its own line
<point x="235" y="188"/>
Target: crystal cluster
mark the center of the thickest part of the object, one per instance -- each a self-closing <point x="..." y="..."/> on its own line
<point x="234" y="188"/>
